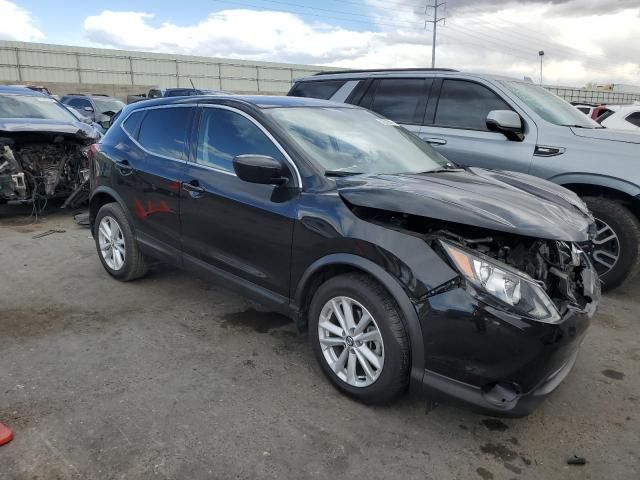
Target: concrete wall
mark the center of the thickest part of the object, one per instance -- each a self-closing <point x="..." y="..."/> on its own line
<point x="65" y="69"/>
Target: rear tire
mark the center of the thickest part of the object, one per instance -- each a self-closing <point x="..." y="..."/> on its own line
<point x="117" y="246"/>
<point x="371" y="364"/>
<point x="613" y="218"/>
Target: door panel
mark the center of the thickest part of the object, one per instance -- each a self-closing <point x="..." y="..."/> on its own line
<point x="236" y="226"/>
<point x="457" y="128"/>
<point x="154" y="171"/>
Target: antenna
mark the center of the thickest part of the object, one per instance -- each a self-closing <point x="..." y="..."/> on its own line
<point x="192" y="84"/>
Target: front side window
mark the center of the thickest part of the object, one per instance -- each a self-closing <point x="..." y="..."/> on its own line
<point x="322" y="90"/>
<point x="400" y="99"/>
<point x="164" y="131"/>
<point x="550" y="107"/>
<point x="634" y="119"/>
<point x="345" y="141"/>
<point x="466" y="105"/>
<point x="225" y="134"/>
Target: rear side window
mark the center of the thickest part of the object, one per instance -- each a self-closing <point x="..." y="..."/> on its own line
<point x="225" y="134"/>
<point x="323" y="90"/>
<point x="164" y="131"/>
<point x="403" y="100"/>
<point x="466" y="105"/>
<point x="132" y="123"/>
<point x="634" y="119"/>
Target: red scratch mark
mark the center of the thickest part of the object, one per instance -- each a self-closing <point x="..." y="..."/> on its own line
<point x="174" y="186"/>
<point x="142" y="212"/>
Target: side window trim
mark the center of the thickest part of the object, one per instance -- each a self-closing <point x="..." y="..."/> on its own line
<point x="492" y="90"/>
<point x="295" y="171"/>
<point x="157" y="107"/>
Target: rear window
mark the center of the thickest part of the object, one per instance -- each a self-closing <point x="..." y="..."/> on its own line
<point x="634" y="119"/>
<point x="403" y="100"/>
<point x="322" y="90"/>
<point x="164" y="131"/>
<point x="132" y="123"/>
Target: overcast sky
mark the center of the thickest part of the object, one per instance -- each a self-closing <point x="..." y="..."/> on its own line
<point x="584" y="40"/>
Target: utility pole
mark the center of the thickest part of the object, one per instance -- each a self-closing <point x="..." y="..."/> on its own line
<point x="435" y="22"/>
<point x="541" y="53"/>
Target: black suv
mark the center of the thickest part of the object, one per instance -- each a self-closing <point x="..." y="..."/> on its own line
<point x="403" y="268"/>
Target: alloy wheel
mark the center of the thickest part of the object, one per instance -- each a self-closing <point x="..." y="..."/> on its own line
<point x="351" y="341"/>
<point x="606" y="247"/>
<point x="111" y="240"/>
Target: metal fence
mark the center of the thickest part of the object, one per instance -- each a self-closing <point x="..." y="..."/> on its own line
<point x="581" y="95"/>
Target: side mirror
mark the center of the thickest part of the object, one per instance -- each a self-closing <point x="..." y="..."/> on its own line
<point x="259" y="169"/>
<point x="105" y="121"/>
<point x="506" y="122"/>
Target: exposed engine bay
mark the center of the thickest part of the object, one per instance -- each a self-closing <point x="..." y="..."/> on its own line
<point x="37" y="166"/>
<point x="563" y="269"/>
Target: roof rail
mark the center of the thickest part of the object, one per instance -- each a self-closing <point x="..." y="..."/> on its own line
<point x="99" y="95"/>
<point x="373" y="70"/>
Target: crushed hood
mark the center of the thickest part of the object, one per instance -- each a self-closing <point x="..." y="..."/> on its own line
<point x="607" y="134"/>
<point x="81" y="131"/>
<point x="504" y="201"/>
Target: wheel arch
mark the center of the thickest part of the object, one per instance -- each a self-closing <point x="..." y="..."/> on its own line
<point x="612" y="192"/>
<point x="336" y="264"/>
<point x="101" y="196"/>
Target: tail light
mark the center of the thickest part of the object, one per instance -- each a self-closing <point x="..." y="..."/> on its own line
<point x="93" y="150"/>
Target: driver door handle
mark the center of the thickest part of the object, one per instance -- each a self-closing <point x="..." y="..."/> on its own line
<point x="436" y="141"/>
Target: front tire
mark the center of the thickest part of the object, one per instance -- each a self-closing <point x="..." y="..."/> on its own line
<point x="359" y="338"/>
<point x="116" y="245"/>
<point x="615" y="250"/>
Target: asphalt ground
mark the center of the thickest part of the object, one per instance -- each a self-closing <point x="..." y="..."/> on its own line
<point x="173" y="377"/>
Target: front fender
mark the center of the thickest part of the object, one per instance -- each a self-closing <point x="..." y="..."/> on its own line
<point x="393" y="286"/>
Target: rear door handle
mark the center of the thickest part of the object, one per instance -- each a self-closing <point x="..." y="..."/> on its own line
<point x="436" y="141"/>
<point x="124" y="168"/>
<point x="194" y="188"/>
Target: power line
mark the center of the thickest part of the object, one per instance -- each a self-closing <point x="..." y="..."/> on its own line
<point x="333" y="17"/>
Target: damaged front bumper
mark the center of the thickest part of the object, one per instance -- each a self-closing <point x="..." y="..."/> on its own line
<point x="497" y="361"/>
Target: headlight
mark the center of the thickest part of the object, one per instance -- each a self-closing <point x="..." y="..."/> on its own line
<point x="510" y="286"/>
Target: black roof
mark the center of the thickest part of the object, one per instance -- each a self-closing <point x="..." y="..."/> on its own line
<point x="259" y="101"/>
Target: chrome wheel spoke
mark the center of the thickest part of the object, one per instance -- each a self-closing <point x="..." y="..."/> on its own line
<point x="338" y="366"/>
<point x="365" y="365"/>
<point x="370" y="356"/>
<point x="347" y="310"/>
<point x="351" y="368"/>
<point x="339" y="316"/>
<point x="332" y="342"/>
<point x="363" y="323"/>
<point x="371" y="336"/>
<point x="331" y="327"/>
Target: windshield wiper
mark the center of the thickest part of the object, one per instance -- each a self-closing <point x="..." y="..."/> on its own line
<point x="340" y="173"/>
